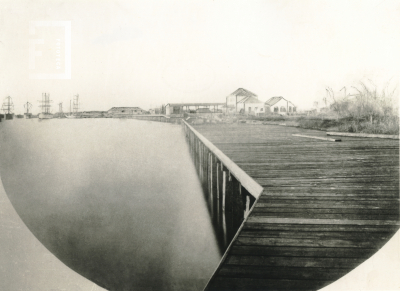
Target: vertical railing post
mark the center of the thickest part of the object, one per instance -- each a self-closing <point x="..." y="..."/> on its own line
<point x="198" y="154"/>
<point x="210" y="182"/>
<point x="237" y="204"/>
<point x="214" y="183"/>
<point x="247" y="208"/>
<point x="220" y="190"/>
<point x="246" y="202"/>
<point x="229" y="193"/>
<point x="223" y="205"/>
<point x="200" y="148"/>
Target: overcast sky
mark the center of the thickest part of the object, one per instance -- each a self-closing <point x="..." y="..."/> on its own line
<point x="146" y="53"/>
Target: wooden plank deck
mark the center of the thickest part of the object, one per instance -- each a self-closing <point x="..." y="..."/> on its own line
<point x="326" y="207"/>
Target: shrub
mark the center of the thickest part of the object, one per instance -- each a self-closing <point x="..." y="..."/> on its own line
<point x="369" y="110"/>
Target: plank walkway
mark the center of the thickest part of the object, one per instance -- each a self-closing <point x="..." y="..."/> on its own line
<point x="326" y="207"/>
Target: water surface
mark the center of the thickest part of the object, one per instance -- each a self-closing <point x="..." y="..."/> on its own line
<point x="118" y="201"/>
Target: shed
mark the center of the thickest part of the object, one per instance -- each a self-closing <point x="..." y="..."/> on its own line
<point x="279" y="105"/>
<point x="244" y="101"/>
<point x="178" y="109"/>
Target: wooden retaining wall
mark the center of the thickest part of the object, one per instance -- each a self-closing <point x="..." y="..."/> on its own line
<point x="158" y="118"/>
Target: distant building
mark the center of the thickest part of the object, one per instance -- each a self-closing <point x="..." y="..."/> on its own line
<point x="203" y="110"/>
<point x="279" y="105"/>
<point x="121" y="112"/>
<point x="178" y="109"/>
<point x="93" y="114"/>
<point x="244" y="101"/>
<point x="155" y="111"/>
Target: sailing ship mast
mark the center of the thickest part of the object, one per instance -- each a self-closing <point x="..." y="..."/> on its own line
<point x="45" y="105"/>
<point x="27" y="106"/>
<point x="8" y="107"/>
<point x="75" y="107"/>
<point x="76" y="104"/>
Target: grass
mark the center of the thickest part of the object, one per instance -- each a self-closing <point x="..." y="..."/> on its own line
<point x="385" y="126"/>
<point x="367" y="127"/>
<point x="327" y="122"/>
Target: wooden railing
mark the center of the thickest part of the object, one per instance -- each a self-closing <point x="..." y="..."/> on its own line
<point x="229" y="191"/>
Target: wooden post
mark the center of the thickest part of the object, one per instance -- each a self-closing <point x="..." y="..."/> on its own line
<point x="247" y="209"/>
<point x="223" y="212"/>
<point x="219" y="191"/>
<point x="210" y="183"/>
<point x="200" y="162"/>
<point x="237" y="204"/>
<point x="205" y="164"/>
<point x="246" y="202"/>
<point x="214" y="182"/>
<point x="229" y="193"/>
<point x="223" y="190"/>
<point x="198" y="157"/>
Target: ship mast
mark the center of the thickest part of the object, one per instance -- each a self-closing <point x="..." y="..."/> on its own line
<point x="27" y="106"/>
<point x="76" y="104"/>
<point x="8" y="105"/>
<point x="45" y="103"/>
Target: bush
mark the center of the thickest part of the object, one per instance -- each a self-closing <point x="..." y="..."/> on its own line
<point x="270" y="118"/>
<point x="316" y="123"/>
<point x="369" y="110"/>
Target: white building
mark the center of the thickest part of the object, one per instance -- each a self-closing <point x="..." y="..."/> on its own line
<point x="244" y="101"/>
<point x="178" y="109"/>
<point x="279" y="105"/>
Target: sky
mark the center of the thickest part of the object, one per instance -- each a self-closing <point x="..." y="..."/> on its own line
<point x="148" y="53"/>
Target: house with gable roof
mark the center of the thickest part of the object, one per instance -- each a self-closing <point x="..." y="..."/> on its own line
<point x="279" y="105"/>
<point x="244" y="101"/>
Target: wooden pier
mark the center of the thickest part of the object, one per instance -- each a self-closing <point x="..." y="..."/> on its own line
<point x="326" y="207"/>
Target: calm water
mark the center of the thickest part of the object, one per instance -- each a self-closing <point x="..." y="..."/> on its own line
<point x="118" y="201"/>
